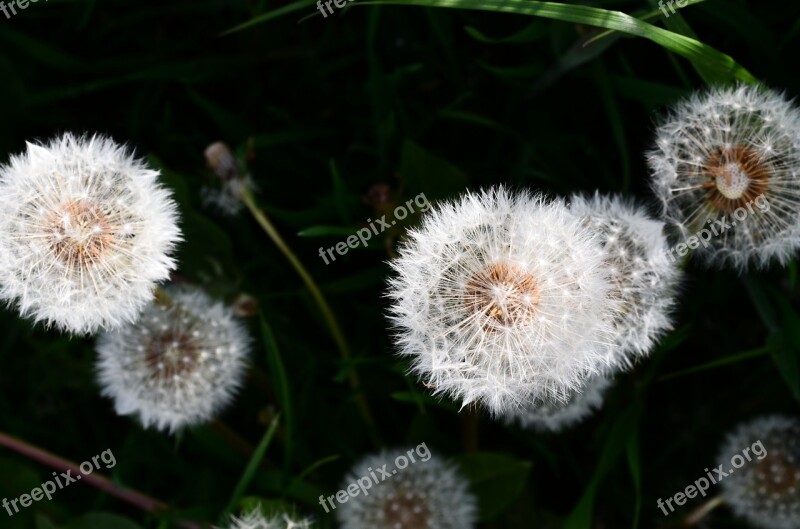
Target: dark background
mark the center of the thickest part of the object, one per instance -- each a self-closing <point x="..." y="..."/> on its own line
<point x="422" y="100"/>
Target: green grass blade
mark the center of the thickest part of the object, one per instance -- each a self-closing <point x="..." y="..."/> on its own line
<point x="715" y="64"/>
<point x="252" y="467"/>
<point x="275" y="13"/>
<point x="277" y="372"/>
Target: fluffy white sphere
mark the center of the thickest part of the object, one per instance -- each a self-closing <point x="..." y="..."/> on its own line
<point x="727" y="160"/>
<point x="764" y="491"/>
<point x="426" y="494"/>
<point x="178" y="365"/>
<point x="86" y="231"/>
<point x="644" y="277"/>
<point x="257" y="520"/>
<point x="502" y="299"/>
<point x="556" y="416"/>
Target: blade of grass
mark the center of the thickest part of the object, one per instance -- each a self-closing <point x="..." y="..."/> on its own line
<point x="721" y="67"/>
<point x="275" y="13"/>
<point x="327" y="313"/>
<point x="250" y="469"/>
<point x="746" y="355"/>
<point x="278" y="373"/>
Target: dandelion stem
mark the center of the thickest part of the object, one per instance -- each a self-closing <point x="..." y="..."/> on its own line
<point x="262" y="219"/>
<point x="698" y="514"/>
<point x="135" y="498"/>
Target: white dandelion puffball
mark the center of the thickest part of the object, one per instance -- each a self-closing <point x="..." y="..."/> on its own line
<point x="502" y="299"/>
<point x="178" y="365"/>
<point x="644" y="277"/>
<point x="556" y="416"/>
<point x="86" y="231"/>
<point x="425" y="494"/>
<point x="257" y="520"/>
<point x="726" y="166"/>
<point x="765" y="490"/>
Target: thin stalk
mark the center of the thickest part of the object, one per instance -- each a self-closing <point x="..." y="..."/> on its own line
<point x="698" y="514"/>
<point x="330" y="319"/>
<point x="133" y="497"/>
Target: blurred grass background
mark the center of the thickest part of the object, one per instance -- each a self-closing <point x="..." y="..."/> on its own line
<point x="422" y="100"/>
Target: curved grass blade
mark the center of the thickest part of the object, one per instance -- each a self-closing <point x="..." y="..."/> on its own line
<point x="717" y="66"/>
<point x="252" y="467"/>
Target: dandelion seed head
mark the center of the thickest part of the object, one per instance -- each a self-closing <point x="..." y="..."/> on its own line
<point x="765" y="491"/>
<point x="644" y="278"/>
<point x="422" y="495"/>
<point x="731" y="154"/>
<point x="502" y="299"/>
<point x="86" y="232"/>
<point x="255" y="519"/>
<point x="556" y="416"/>
<point x="183" y="370"/>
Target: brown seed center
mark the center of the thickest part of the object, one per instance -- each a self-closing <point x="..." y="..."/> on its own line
<point x="406" y="510"/>
<point x="505" y="294"/>
<point x="735" y="177"/>
<point x="171" y="354"/>
<point x="79" y="234"/>
<point x="777" y="475"/>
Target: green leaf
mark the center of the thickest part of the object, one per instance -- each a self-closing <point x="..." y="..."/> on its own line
<point x="785" y="345"/>
<point x="42" y="522"/>
<point x="514" y="73"/>
<point x="716" y="65"/>
<point x="536" y="30"/>
<point x="423" y="172"/>
<point x="496" y="479"/>
<point x="624" y="427"/>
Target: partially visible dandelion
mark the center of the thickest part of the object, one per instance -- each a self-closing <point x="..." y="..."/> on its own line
<point x="427" y="494"/>
<point x="556" y="416"/>
<point x="715" y="155"/>
<point x="86" y="231"/>
<point x="178" y="365"/>
<point x="644" y="277"/>
<point x="503" y="299"/>
<point x="226" y="197"/>
<point x="255" y="519"/>
<point x="766" y="490"/>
